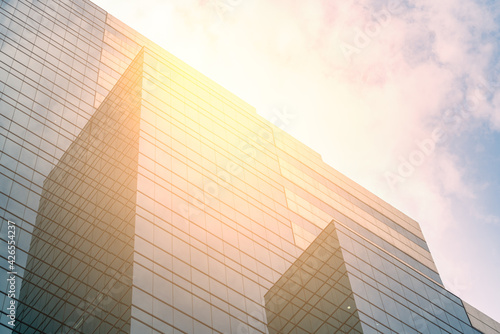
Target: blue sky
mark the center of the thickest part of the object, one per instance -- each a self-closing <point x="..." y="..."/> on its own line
<point x="373" y="86"/>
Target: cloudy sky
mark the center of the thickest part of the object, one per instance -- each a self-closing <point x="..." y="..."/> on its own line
<point x="401" y="96"/>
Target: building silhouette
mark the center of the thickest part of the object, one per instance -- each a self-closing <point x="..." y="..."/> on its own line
<point x="149" y="199"/>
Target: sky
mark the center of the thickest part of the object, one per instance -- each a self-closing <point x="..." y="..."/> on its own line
<point x="401" y="96"/>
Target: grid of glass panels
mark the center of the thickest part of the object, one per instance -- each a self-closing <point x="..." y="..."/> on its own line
<point x="394" y="298"/>
<point x="49" y="55"/>
<point x="314" y="193"/>
<point x="214" y="227"/>
<point x="481" y="321"/>
<point x="378" y="292"/>
<point x="79" y="271"/>
<point x="314" y="295"/>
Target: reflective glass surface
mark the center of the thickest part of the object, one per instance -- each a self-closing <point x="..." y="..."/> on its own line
<point x="149" y="199"/>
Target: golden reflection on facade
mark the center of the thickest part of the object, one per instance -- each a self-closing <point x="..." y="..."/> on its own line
<point x="200" y="216"/>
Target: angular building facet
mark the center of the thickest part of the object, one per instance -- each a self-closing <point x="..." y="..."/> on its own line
<point x="148" y="199"/>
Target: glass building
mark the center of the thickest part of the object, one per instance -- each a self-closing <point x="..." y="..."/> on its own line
<point x="149" y="199"/>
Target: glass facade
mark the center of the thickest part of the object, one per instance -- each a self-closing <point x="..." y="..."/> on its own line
<point x="347" y="284"/>
<point x="78" y="276"/>
<point x="148" y="199"/>
<point x="314" y="295"/>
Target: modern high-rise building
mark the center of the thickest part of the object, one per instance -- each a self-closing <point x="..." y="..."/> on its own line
<point x="138" y="196"/>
